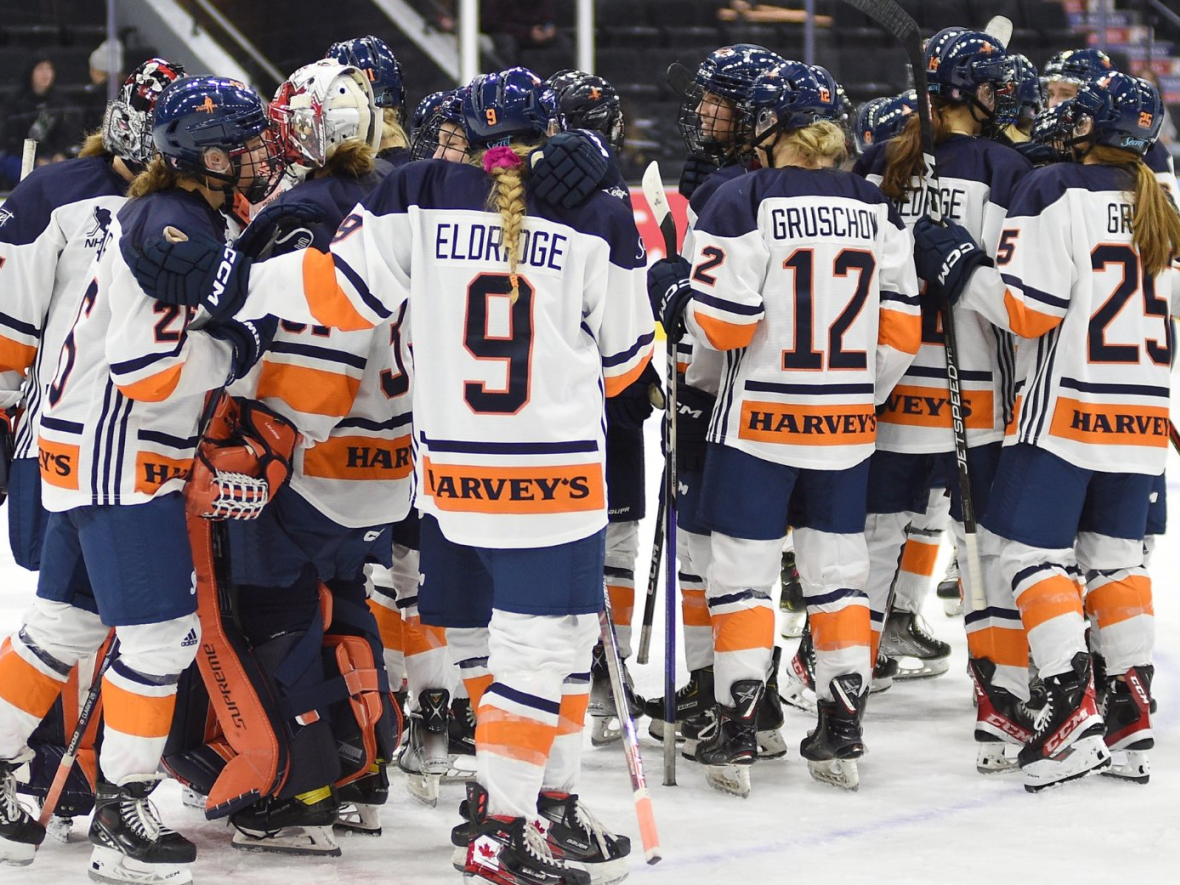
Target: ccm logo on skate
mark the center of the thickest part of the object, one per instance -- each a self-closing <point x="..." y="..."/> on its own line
<point x="519" y="490"/>
<point x="1066" y="731"/>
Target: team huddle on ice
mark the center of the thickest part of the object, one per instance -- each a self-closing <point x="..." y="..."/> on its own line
<point x="352" y="420"/>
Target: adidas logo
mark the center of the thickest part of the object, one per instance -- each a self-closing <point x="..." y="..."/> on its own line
<point x="190" y="640"/>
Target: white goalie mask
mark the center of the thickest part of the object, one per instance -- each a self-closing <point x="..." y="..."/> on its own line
<point x="321" y="106"/>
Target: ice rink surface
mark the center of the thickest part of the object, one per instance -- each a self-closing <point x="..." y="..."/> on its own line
<point x="922" y="814"/>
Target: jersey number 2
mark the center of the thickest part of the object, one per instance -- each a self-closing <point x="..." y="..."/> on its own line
<point x="515" y="348"/>
<point x="1153" y="306"/>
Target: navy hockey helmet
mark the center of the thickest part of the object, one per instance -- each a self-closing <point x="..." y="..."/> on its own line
<point x="427" y="106"/>
<point x="866" y="121"/>
<point x="1051" y="130"/>
<point x="511" y="104"/>
<point x="127" y="122"/>
<point x="790" y="96"/>
<point x="711" y="121"/>
<point x="197" y="114"/>
<point x="374" y="57"/>
<point x="1020" y="106"/>
<point x="892" y="116"/>
<point x="588" y="101"/>
<point x="1125" y="112"/>
<point x="434" y="132"/>
<point x="963" y="65"/>
<point x="1078" y="65"/>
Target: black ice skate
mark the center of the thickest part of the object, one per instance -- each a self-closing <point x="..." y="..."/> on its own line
<point x="299" y="826"/>
<point x="604" y="719"/>
<point x="769" y="720"/>
<point x="1068" y="742"/>
<point x="696" y="695"/>
<point x="831" y="750"/>
<point x="426" y="758"/>
<point x="20" y="834"/>
<point x="461" y="727"/>
<point x="130" y="842"/>
<point x="949" y="590"/>
<point x="361" y="801"/>
<point x="799" y="689"/>
<point x="1127" y="712"/>
<point x="884" y="672"/>
<point x="732" y="747"/>
<point x="578" y="837"/>
<point x="1003" y="722"/>
<point x="907" y="639"/>
<point x="792" y="604"/>
<point x="510" y="851"/>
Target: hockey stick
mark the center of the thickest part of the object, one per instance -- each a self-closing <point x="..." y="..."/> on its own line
<point x="1000" y="27"/>
<point x="67" y="760"/>
<point x="653" y="580"/>
<point x="643" y="807"/>
<point x="28" y="158"/>
<point x="653" y="190"/>
<point x="898" y="23"/>
<point x="679" y="78"/>
<point x="1174" y="436"/>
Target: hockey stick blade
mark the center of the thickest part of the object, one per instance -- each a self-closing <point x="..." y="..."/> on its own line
<point x="680" y="78"/>
<point x="653" y="190"/>
<point x="891" y="17"/>
<point x="1000" y="27"/>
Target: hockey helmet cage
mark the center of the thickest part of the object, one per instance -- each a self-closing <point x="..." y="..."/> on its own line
<point x="196" y="114"/>
<point x="511" y="104"/>
<point x="321" y="106"/>
<point x="377" y="62"/>
<point x="1125" y="112"/>
<point x="443" y="127"/>
<point x="1051" y="130"/>
<point x="427" y="106"/>
<point x="127" y="121"/>
<point x="1019" y="107"/>
<point x="959" y="61"/>
<point x="711" y="121"/>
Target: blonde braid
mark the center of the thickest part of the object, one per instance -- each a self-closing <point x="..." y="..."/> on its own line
<point x="508" y="198"/>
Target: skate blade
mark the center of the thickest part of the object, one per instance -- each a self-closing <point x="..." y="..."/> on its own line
<point x="59" y="828"/>
<point x="1083" y="757"/>
<point x="16" y="854"/>
<point x="879" y="684"/>
<point x="609" y="872"/>
<point x="605" y="730"/>
<point x="840" y="773"/>
<point x="794" y="693"/>
<point x="732" y="779"/>
<point x="996" y="758"/>
<point x="190" y="798"/>
<point x="364" y="820"/>
<point x="793" y="622"/>
<point x="952" y="608"/>
<point x="109" y="866"/>
<point x="1132" y="766"/>
<point x="424" y="788"/>
<point x="771" y="744"/>
<point x="920" y="668"/>
<point x="657" y="728"/>
<point x="297" y="841"/>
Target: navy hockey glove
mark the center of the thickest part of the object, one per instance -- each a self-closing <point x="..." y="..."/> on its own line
<point x="633" y="404"/>
<point x="946" y="256"/>
<point x="568" y="168"/>
<point x="281" y="227"/>
<point x="198" y="272"/>
<point x="668" y="289"/>
<point x="248" y="338"/>
<point x="696" y="170"/>
<point x="694" y="410"/>
<point x="1036" y="153"/>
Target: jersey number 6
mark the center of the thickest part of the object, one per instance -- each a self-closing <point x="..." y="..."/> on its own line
<point x="515" y="347"/>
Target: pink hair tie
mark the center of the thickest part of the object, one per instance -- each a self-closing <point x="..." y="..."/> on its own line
<point x="500" y="158"/>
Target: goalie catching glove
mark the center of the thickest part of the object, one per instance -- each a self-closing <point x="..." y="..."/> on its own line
<point x="242" y="461"/>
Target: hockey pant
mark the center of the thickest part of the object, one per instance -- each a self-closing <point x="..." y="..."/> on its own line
<point x="694" y="554"/>
<point x="923" y="537"/>
<point x="138" y="691"/>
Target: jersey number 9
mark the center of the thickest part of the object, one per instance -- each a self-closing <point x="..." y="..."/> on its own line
<point x="515" y="348"/>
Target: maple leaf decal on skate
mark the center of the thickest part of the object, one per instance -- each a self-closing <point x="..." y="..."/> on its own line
<point x="487" y="851"/>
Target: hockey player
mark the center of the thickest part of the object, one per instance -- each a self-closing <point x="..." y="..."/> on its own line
<point x="794" y="428"/>
<point x="117" y="437"/>
<point x="373" y="56"/>
<point x="1088" y="279"/>
<point x="440" y="134"/>
<point x="51" y="234"/>
<point x="516" y="500"/>
<point x="968" y="75"/>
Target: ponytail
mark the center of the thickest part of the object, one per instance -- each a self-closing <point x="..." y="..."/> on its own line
<point x="508" y="166"/>
<point x="1155" y="224"/>
<point x="903" y="153"/>
<point x="393" y="134"/>
<point x="819" y="141"/>
<point x="92" y="146"/>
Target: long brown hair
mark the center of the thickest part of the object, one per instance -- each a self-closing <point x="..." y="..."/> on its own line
<point x="903" y="153"/>
<point x="92" y="146"/>
<point x="158" y="176"/>
<point x="1155" y="224"/>
<point x="352" y="157"/>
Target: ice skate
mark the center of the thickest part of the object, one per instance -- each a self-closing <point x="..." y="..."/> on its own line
<point x="884" y="672"/>
<point x="578" y="837"/>
<point x="300" y="826"/>
<point x="832" y="748"/>
<point x="1003" y="723"/>
<point x="20" y="834"/>
<point x="130" y="842"/>
<point x="695" y="729"/>
<point x="426" y="757"/>
<point x="1128" y="724"/>
<point x="732" y="747"/>
<point x="792" y="604"/>
<point x="1068" y="742"/>
<point x="695" y="696"/>
<point x="949" y="592"/>
<point x="605" y="725"/>
<point x="59" y="828"/>
<point x="799" y="689"/>
<point x="770" y="718"/>
<point x="361" y="801"/>
<point x="461" y="727"/>
<point x="192" y="798"/>
<point x="907" y="640"/>
<point x="510" y="851"/>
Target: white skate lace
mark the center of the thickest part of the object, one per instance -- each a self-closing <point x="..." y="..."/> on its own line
<point x="537" y="845"/>
<point x="921" y="628"/>
<point x="10" y="808"/>
<point x="592" y="826"/>
<point x="952" y="570"/>
<point x="143" y="818"/>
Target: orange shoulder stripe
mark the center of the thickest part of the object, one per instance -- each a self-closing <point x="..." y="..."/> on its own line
<point x="723" y="335"/>
<point x="327" y="301"/>
<point x="1026" y="322"/>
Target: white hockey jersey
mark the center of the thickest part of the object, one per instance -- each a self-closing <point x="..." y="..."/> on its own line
<point x="51" y="228"/>
<point x="122" y="409"/>
<point x="1094" y="381"/>
<point x="977" y="178"/>
<point x="805" y="278"/>
<point x="507" y="396"/>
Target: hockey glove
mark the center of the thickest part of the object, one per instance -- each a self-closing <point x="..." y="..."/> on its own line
<point x="633" y="404"/>
<point x="7" y="446"/>
<point x="197" y="272"/>
<point x="669" y="290"/>
<point x="946" y="256"/>
<point x="249" y="340"/>
<point x="568" y="168"/>
<point x="1036" y="153"/>
<point x="279" y="228"/>
<point x="694" y="410"/>
<point x="696" y="170"/>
